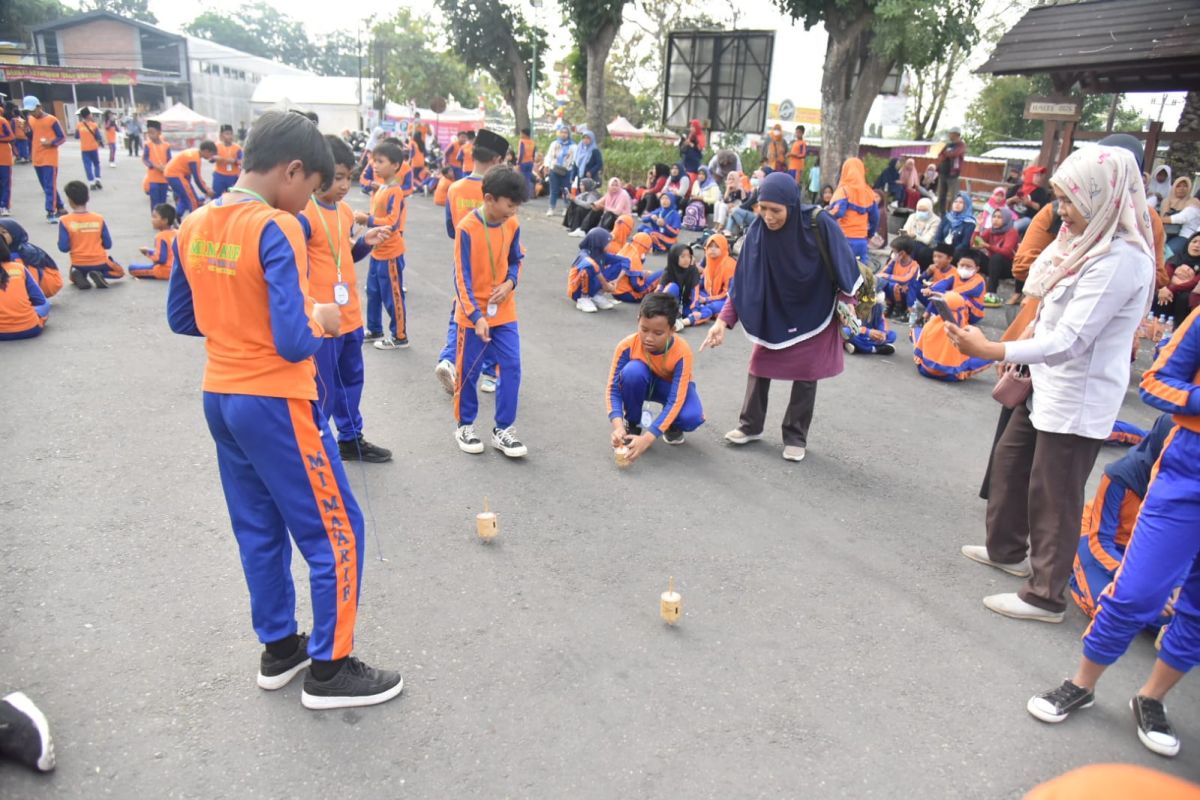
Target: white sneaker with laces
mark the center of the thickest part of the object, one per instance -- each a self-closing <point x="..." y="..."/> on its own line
<point x="467" y="439"/>
<point x="585" y="304"/>
<point x="738" y="436"/>
<point x="488" y="384"/>
<point x="1010" y="605"/>
<point x="979" y="553"/>
<point x="505" y="440"/>
<point x="602" y="302"/>
<point x="446" y="375"/>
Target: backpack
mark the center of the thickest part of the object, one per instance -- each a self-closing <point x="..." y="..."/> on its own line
<point x="694" y="218"/>
<point x="866" y="293"/>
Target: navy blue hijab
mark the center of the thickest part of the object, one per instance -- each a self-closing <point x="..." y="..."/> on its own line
<point x="783" y="294"/>
<point x="32" y="255"/>
<point x="594" y="244"/>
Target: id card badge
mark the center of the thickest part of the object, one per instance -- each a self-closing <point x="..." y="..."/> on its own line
<point x="341" y="293"/>
<point x="492" y="309"/>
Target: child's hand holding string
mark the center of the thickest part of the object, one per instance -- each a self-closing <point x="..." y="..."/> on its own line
<point x="619" y="434"/>
<point x="482" y="330"/>
<point x="639" y="444"/>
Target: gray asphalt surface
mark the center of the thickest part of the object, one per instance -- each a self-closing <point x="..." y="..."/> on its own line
<point x="833" y="643"/>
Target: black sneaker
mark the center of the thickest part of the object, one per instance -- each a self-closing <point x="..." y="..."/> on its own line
<point x="1153" y="728"/>
<point x="276" y="673"/>
<point x="634" y="428"/>
<point x="673" y="435"/>
<point x="52" y="218"/>
<point x="25" y="733"/>
<point x="505" y="440"/>
<point x="97" y="278"/>
<point x="885" y="349"/>
<point x="371" y="336"/>
<point x="1057" y="704"/>
<point x="362" y="450"/>
<point x="355" y="684"/>
<point x="79" y="279"/>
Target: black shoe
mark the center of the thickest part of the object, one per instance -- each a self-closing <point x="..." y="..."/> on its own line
<point x="79" y="280"/>
<point x="97" y="185"/>
<point x="25" y="733"/>
<point x="885" y="349"/>
<point x="633" y="428"/>
<point x="371" y="336"/>
<point x="97" y="278"/>
<point x="355" y="684"/>
<point x="673" y="435"/>
<point x="276" y="673"/>
<point x="1057" y="704"/>
<point x="1153" y="728"/>
<point x="52" y="218"/>
<point x="361" y="450"/>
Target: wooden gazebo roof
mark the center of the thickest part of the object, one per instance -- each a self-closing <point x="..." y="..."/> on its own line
<point x="1105" y="45"/>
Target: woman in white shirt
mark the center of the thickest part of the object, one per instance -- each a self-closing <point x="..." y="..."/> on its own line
<point x="1095" y="282"/>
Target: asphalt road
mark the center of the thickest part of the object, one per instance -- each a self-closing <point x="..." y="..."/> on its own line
<point x="833" y="643"/>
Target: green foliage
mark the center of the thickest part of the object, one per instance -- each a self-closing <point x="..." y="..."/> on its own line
<point x="408" y="67"/>
<point x="18" y="16"/>
<point x="134" y="9"/>
<point x="262" y="30"/>
<point x="997" y="113"/>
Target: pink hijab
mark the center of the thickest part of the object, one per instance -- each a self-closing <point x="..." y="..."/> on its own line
<point x="617" y="199"/>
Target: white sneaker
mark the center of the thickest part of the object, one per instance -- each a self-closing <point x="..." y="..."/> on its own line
<point x="979" y="553"/>
<point x="1009" y="605"/>
<point x="680" y="324"/>
<point x="849" y="348"/>
<point x="585" y="304"/>
<point x="446" y="375"/>
<point x="738" y="436"/>
<point x="601" y="302"/>
<point x="578" y="233"/>
<point x="3" y="211"/>
<point x="467" y="440"/>
<point x="505" y="440"/>
<point x="550" y="212"/>
<point x="793" y="453"/>
<point x="488" y="384"/>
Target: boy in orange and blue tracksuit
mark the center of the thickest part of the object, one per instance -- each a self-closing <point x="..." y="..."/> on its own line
<point x="23" y="306"/>
<point x="228" y="165"/>
<point x="487" y="267"/>
<point x="183" y="170"/>
<point x="526" y="157"/>
<point x="966" y="282"/>
<point x="7" y="137"/>
<point x="88" y="134"/>
<point x="875" y="337"/>
<point x="46" y="136"/>
<point x="385" y="274"/>
<point x="653" y="364"/>
<point x="1166" y="536"/>
<point x="162" y="252"/>
<point x="897" y="279"/>
<point x="241" y="283"/>
<point x="85" y="236"/>
<point x="453" y="157"/>
<point x="156" y="154"/>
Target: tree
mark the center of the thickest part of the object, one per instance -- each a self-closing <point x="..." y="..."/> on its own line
<point x="258" y="29"/>
<point x="134" y="9"/>
<point x="1185" y="156"/>
<point x="18" y="16"/>
<point x="492" y="36"/>
<point x="408" y="66"/>
<point x="930" y="88"/>
<point x="640" y="109"/>
<point x="867" y="39"/>
<point x="594" y="25"/>
<point x="336" y="54"/>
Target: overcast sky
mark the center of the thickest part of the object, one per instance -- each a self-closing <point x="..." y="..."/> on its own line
<point x="796" y="72"/>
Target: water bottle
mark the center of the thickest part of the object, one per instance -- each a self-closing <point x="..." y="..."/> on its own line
<point x="1169" y="329"/>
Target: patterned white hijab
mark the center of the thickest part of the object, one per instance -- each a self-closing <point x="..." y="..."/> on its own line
<point x="1105" y="184"/>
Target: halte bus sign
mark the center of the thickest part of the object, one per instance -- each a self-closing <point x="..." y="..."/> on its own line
<point x="1054" y="108"/>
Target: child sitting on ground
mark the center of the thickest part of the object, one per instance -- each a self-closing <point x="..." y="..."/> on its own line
<point x="934" y="354"/>
<point x="681" y="279"/>
<point x="874" y="337"/>
<point x="23" y="307"/>
<point x="85" y="236"/>
<point x="593" y="274"/>
<point x="966" y="282"/>
<point x="719" y="267"/>
<point x="940" y="268"/>
<point x="162" y="219"/>
<point x="634" y="282"/>
<point x="621" y="232"/>
<point x="443" y="186"/>
<point x="663" y="225"/>
<point x="36" y="260"/>
<point x="656" y="365"/>
<point x="898" y="276"/>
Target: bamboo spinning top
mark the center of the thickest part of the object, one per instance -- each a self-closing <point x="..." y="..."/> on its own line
<point x="621" y="454"/>
<point x="487" y="525"/>
<point x="671" y="605"/>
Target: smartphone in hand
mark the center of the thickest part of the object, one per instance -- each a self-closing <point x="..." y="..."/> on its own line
<point x="944" y="310"/>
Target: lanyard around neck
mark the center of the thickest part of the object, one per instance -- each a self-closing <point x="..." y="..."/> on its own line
<point x="336" y="252"/>
<point x="251" y="193"/>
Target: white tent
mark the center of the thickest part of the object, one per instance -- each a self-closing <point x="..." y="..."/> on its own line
<point x="335" y="100"/>
<point x="183" y="127"/>
<point x="621" y="128"/>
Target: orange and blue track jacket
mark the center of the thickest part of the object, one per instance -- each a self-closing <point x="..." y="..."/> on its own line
<point x="464" y="196"/>
<point x="718" y="274"/>
<point x="454" y="154"/>
<point x="21" y="300"/>
<point x="900" y="275"/>
<point x="389" y="210"/>
<point x="185" y="165"/>
<point x="468" y="158"/>
<point x="441" y="190"/>
<point x="88" y="134"/>
<point x="7" y="137"/>
<point x="229" y="159"/>
<point x="242" y="284"/>
<point x="486" y="256"/>
<point x="673" y="364"/>
<point x="321" y="224"/>
<point x="164" y="254"/>
<point x="85" y="237"/>
<point x="1173" y="383"/>
<point x="45" y="153"/>
<point x="971" y="290"/>
<point x="156" y="156"/>
<point x="797" y="155"/>
<point x="526" y="152"/>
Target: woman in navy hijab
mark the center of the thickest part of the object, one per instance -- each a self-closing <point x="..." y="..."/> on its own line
<point x="786" y="299"/>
